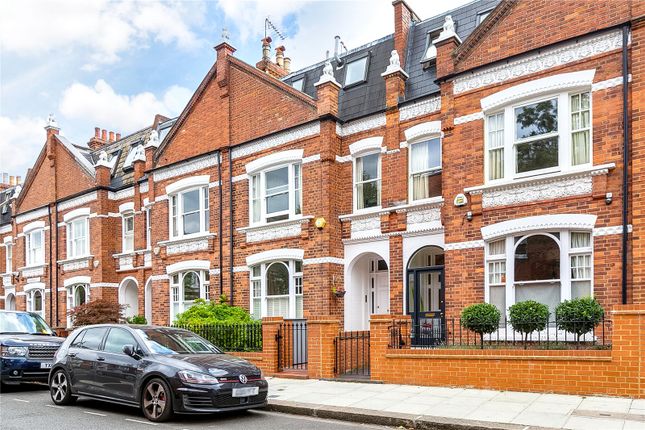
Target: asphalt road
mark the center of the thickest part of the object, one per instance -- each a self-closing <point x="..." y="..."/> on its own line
<point x="30" y="407"/>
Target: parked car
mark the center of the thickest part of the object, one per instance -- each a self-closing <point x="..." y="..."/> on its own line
<point x="162" y="370"/>
<point x="27" y="347"/>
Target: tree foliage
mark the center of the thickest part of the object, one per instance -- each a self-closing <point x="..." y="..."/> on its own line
<point x="205" y="313"/>
<point x="528" y="316"/>
<point x="99" y="311"/>
<point x="481" y="318"/>
<point x="579" y="316"/>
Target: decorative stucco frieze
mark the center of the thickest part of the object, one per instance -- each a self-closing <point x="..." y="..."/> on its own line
<point x="276" y="139"/>
<point x="104" y="285"/>
<point x="143" y="187"/>
<point x="609" y="83"/>
<point x="358" y="125"/>
<point x="238" y="269"/>
<point x="147" y="259"/>
<point x="464" y="245"/>
<point x="5" y="229"/>
<point x="615" y="229"/>
<point x="280" y="230"/>
<point x="185" y="167"/>
<point x="578" y="50"/>
<point x="31" y="272"/>
<point x="126" y="261"/>
<point x="424" y="219"/>
<point x="159" y="278"/>
<point x="6" y="281"/>
<point x="78" y="201"/>
<point x="38" y="213"/>
<point x="468" y="118"/>
<point x="424" y="107"/>
<point x="75" y="264"/>
<point x="366" y="227"/>
<point x="187" y="246"/>
<point x="121" y="194"/>
<point x="323" y="260"/>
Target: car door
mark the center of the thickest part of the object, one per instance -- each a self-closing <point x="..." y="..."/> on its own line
<point x="116" y="370"/>
<point x="73" y="362"/>
<point x="86" y="379"/>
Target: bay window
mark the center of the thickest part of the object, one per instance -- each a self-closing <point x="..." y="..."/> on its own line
<point x="185" y="288"/>
<point x="425" y="169"/>
<point x="276" y="289"/>
<point x="367" y="181"/>
<point x="544" y="135"/>
<point x="78" y="238"/>
<point x="189" y="212"/>
<point x="35" y="247"/>
<point x="127" y="227"/>
<point x="35" y="301"/>
<point x="276" y="194"/>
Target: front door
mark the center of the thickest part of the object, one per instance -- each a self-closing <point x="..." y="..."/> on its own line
<point x="426" y="305"/>
<point x="380" y="294"/>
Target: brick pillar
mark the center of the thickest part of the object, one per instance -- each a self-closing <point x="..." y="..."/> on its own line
<point x="270" y="327"/>
<point x="379" y="340"/>
<point x="321" y="333"/>
<point x="628" y="348"/>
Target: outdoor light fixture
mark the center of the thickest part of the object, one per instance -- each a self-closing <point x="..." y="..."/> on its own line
<point x="469" y="216"/>
<point x="320" y="223"/>
<point x="609" y="198"/>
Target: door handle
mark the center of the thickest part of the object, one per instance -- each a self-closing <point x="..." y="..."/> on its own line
<point x="100" y="358"/>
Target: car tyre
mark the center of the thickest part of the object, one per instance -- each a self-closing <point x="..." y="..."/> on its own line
<point x="60" y="388"/>
<point x="156" y="400"/>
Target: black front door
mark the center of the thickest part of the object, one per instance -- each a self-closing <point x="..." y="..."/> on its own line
<point x="426" y="305"/>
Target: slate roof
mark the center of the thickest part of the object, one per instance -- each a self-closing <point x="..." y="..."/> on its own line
<point x="369" y="97"/>
<point x="6" y="196"/>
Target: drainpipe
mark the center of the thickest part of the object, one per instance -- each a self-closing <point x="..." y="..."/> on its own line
<point x="221" y="214"/>
<point x="51" y="290"/>
<point x="626" y="149"/>
<point x="230" y="220"/>
<point x="56" y="259"/>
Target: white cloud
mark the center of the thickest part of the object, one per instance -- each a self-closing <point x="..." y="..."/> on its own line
<point x="21" y="139"/>
<point x="101" y="106"/>
<point x="105" y="29"/>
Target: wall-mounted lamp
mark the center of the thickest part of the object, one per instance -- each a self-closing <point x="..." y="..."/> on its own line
<point x="469" y="216"/>
<point x="320" y="223"/>
<point x="609" y="198"/>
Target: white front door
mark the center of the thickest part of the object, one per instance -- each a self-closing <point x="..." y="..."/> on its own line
<point x="382" y="296"/>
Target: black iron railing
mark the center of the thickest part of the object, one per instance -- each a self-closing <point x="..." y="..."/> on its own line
<point x="352" y="354"/>
<point x="230" y="337"/>
<point x="449" y="333"/>
<point x="292" y="345"/>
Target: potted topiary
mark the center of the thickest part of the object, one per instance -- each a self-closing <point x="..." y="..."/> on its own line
<point x="527" y="317"/>
<point x="481" y="318"/>
<point x="579" y="316"/>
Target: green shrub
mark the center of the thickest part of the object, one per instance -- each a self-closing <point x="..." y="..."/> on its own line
<point x="136" y="319"/>
<point x="204" y="313"/>
<point x="579" y="316"/>
<point x="481" y="318"/>
<point x="528" y="316"/>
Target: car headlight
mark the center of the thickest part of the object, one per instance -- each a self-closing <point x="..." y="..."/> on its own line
<point x="197" y="378"/>
<point x="13" y="351"/>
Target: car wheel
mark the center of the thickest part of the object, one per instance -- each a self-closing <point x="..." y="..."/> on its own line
<point x="156" y="400"/>
<point x="60" y="388"/>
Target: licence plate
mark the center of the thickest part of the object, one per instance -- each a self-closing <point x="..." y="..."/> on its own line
<point x="46" y="365"/>
<point x="246" y="391"/>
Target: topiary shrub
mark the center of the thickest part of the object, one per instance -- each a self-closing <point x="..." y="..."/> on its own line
<point x="99" y="311"/>
<point x="481" y="318"/>
<point x="579" y="316"/>
<point x="528" y="316"/>
<point x="136" y="319"/>
<point x="205" y="313"/>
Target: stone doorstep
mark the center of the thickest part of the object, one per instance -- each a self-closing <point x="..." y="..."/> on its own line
<point x="391" y="419"/>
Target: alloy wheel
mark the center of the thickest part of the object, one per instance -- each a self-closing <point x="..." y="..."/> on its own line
<point x="59" y="386"/>
<point x="155" y="399"/>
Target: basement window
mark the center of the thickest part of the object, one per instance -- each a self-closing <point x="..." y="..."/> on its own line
<point x="356" y="71"/>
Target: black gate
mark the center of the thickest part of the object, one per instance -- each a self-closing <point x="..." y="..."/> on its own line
<point x="352" y="354"/>
<point x="292" y="345"/>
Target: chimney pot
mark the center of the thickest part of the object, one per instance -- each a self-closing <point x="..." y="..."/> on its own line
<point x="18" y="180"/>
<point x="266" y="48"/>
<point x="12" y="180"/>
<point x="287" y="65"/>
<point x="97" y="132"/>
<point x="279" y="56"/>
<point x="5" y="178"/>
<point x="104" y="134"/>
<point x="118" y="136"/>
<point x="111" y="136"/>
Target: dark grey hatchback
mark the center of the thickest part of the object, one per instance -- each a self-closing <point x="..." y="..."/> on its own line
<point x="160" y="369"/>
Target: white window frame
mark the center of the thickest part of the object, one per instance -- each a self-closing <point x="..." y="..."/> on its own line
<point x="38" y="259"/>
<point x="563" y="241"/>
<point x="379" y="180"/>
<point x="564" y="135"/>
<point x="127" y="235"/>
<point x="8" y="257"/>
<point x="439" y="168"/>
<point x="71" y="298"/>
<point x="301" y="87"/>
<point x="365" y="58"/>
<point x="148" y="229"/>
<point x="177" y="290"/>
<point x="295" y="288"/>
<point x="176" y="221"/>
<point x="30" y="301"/>
<point x="293" y="186"/>
<point x="72" y="251"/>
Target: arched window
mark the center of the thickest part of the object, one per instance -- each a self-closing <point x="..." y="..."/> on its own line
<point x="77" y="294"/>
<point x="185" y="288"/>
<point x="537" y="258"/>
<point x="35" y="302"/>
<point x="191" y="286"/>
<point x="10" y="302"/>
<point x="277" y="280"/>
<point x="276" y="289"/>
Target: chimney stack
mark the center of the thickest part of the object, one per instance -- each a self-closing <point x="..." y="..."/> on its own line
<point x="279" y="56"/>
<point x="266" y="48"/>
<point x="111" y="136"/>
<point x="18" y="180"/>
<point x="12" y="180"/>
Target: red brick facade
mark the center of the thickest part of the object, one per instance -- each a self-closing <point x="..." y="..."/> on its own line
<point x="241" y="117"/>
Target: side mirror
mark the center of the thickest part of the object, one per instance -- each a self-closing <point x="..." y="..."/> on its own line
<point x="130" y="351"/>
<point x="54" y="333"/>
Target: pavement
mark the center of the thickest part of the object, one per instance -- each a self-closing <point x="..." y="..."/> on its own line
<point x="421" y="407"/>
<point x="30" y="407"/>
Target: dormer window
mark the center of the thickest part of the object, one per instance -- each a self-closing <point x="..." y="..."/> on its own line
<point x="481" y="16"/>
<point x="129" y="159"/>
<point x="431" y="50"/>
<point x="356" y="71"/>
<point x="298" y="84"/>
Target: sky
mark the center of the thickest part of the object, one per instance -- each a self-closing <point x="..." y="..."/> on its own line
<point x="115" y="64"/>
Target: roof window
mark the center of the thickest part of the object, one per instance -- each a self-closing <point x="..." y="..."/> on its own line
<point x="356" y="71"/>
<point x="298" y="84"/>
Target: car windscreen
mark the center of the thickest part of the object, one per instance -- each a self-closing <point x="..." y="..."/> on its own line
<point x="23" y="323"/>
<point x="168" y="341"/>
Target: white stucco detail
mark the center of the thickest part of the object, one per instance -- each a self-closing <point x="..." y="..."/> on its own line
<point x="78" y="201"/>
<point x="275" y="254"/>
<point x="276" y="139"/>
<point x="33" y="226"/>
<point x="185" y="168"/>
<point x="540" y="222"/>
<point x="367" y="144"/>
<point x="121" y="194"/>
<point x="362" y="124"/>
<point x="424" y="219"/>
<point x="424" y="107"/>
<point x="423" y="129"/>
<point x="31" y="215"/>
<point x="190" y="182"/>
<point x="274" y="159"/>
<point x="76" y="280"/>
<point x="188" y="265"/>
<point x="366" y="227"/>
<point x="468" y="118"/>
<point x="76" y="213"/>
<point x="126" y="207"/>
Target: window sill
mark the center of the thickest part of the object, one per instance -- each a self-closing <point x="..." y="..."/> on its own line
<point x="412" y="206"/>
<point x="35" y="266"/>
<point x="269" y="225"/>
<point x="75" y="259"/>
<point x="124" y="254"/>
<point x="185" y="239"/>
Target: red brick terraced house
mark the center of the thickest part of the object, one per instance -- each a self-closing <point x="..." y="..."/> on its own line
<point x="474" y="156"/>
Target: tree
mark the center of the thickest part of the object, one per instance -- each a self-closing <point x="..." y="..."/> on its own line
<point x="482" y="318"/>
<point x="528" y="316"/>
<point x="579" y="316"/>
<point x="99" y="311"/>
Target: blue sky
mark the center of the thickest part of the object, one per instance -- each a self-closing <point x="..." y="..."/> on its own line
<point x="114" y="64"/>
